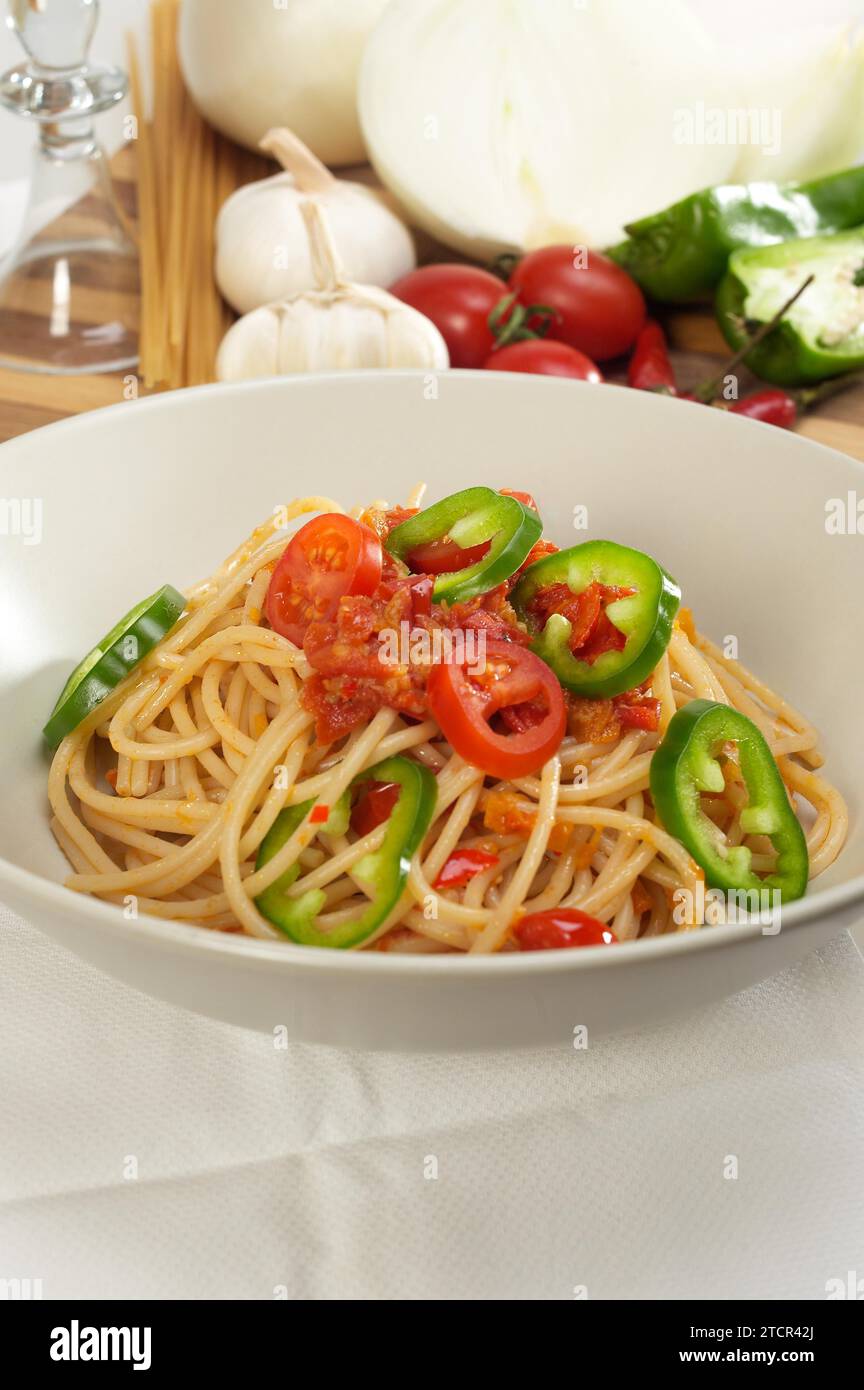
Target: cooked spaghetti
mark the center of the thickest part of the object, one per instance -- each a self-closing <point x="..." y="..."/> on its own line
<point x="165" y="792"/>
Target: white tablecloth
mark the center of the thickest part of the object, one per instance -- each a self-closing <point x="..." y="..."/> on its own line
<point x="308" y="1173"/>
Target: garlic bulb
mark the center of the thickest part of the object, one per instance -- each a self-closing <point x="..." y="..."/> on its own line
<point x="262" y="245"/>
<point x="335" y="327"/>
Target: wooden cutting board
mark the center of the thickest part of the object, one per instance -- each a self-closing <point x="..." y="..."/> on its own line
<point x="28" y="401"/>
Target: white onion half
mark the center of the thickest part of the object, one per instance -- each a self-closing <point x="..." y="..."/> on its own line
<point x="808" y="88"/>
<point x="506" y="125"/>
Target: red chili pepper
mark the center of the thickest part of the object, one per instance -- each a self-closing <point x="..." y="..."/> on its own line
<point x="562" y="926"/>
<point x="318" y="815"/>
<point x="650" y="368"/>
<point x="524" y="497"/>
<point x="639" y="714"/>
<point x="421" y="596"/>
<point x="374" y="806"/>
<point x="772" y="407"/>
<point x="463" y="865"/>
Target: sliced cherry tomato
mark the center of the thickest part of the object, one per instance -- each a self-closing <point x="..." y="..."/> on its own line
<point x="464" y="704"/>
<point x="329" y="557"/>
<point x="463" y="865"/>
<point x="374" y="806"/>
<point x="544" y="358"/>
<point x="458" y="299"/>
<point x="444" y="556"/>
<point x="598" y="308"/>
<point x="558" y="927"/>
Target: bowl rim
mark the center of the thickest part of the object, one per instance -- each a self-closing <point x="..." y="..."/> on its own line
<point x="823" y="904"/>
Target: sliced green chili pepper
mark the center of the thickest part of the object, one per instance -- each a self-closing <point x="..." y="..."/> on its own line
<point x="686" y="764"/>
<point x="680" y="254"/>
<point x="471" y="518"/>
<point x="110" y="662"/>
<point x="644" y="617"/>
<point x="384" y="872"/>
<point x="822" y="334"/>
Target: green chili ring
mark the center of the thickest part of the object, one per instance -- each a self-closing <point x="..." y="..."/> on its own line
<point x="685" y="765"/>
<point x="645" y="618"/>
<point x="385" y="870"/>
<point x="469" y="518"/>
<point x="111" y="661"/>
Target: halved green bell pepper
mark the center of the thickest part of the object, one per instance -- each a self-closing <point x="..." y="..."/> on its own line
<point x="385" y="871"/>
<point x="110" y="662"/>
<point x="681" y="253"/>
<point x="645" y="617"/>
<point x="469" y="518"/>
<point x="686" y="764"/>
<point x="822" y="334"/>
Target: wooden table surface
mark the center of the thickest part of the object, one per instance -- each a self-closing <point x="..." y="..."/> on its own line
<point x="28" y="401"/>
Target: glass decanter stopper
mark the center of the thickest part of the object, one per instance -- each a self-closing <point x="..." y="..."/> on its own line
<point x="69" y="286"/>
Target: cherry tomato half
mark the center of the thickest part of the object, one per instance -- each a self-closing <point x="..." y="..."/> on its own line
<point x="329" y="557"/>
<point x="512" y="677"/>
<point x="545" y="358"/>
<point x="599" y="309"/>
<point x="458" y="299"/>
<point x="558" y="927"/>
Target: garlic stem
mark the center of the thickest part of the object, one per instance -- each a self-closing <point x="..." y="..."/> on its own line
<point x="310" y="175"/>
<point x="326" y="265"/>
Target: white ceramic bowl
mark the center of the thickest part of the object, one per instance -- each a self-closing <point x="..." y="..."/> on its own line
<point x="159" y="491"/>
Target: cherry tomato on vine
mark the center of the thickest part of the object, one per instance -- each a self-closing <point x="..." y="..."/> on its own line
<point x="330" y="556"/>
<point x="599" y="309"/>
<point x="458" y="299"/>
<point x="545" y="358"/>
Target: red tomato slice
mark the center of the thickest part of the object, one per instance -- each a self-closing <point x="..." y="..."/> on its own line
<point x="465" y="703"/>
<point x="329" y="557"/>
<point x="463" y="865"/>
<point x="374" y="806"/>
<point x="442" y="557"/>
<point x="559" y="927"/>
